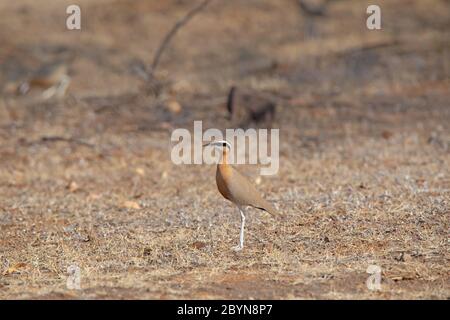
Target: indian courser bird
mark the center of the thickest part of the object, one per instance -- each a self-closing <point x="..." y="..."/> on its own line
<point x="237" y="188"/>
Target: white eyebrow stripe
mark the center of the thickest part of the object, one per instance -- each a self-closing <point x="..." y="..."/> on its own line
<point x="220" y="142"/>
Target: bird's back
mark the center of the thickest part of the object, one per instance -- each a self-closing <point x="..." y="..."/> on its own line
<point x="238" y="189"/>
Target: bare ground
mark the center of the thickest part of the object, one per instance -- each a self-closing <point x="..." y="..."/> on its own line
<point x="364" y="170"/>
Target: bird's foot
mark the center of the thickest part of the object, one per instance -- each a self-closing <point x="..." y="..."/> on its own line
<point x="237" y="248"/>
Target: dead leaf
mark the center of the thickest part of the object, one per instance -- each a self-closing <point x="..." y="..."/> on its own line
<point x="387" y="134"/>
<point x="131" y="205"/>
<point x="73" y="186"/>
<point x="15" y="268"/>
<point x="173" y="106"/>
<point x="166" y="125"/>
<point x="94" y="196"/>
<point x="199" y="245"/>
<point x="147" y="252"/>
<point x="403" y="257"/>
<point x="82" y="237"/>
<point x="140" y="171"/>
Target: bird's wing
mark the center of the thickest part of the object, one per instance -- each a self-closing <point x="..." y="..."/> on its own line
<point x="245" y="193"/>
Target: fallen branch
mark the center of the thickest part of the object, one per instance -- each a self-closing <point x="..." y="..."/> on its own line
<point x="315" y="11"/>
<point x="172" y="33"/>
<point x="63" y="139"/>
<point x="370" y="46"/>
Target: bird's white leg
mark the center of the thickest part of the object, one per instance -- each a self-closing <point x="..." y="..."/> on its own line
<point x="241" y="235"/>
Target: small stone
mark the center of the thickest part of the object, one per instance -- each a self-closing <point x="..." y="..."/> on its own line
<point x="387" y="134"/>
<point x="73" y="186"/>
<point x="199" y="245"/>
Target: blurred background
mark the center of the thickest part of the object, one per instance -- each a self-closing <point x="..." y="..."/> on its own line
<point x="85" y="170"/>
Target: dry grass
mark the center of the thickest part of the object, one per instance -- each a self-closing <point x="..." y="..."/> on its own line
<point x="364" y="170"/>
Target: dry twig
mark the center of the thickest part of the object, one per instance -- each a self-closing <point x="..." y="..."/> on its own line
<point x="45" y="139"/>
<point x="180" y="23"/>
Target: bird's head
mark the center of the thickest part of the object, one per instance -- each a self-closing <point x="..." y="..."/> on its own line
<point x="219" y="143"/>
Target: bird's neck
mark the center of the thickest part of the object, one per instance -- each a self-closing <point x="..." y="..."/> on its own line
<point x="225" y="156"/>
<point x="223" y="167"/>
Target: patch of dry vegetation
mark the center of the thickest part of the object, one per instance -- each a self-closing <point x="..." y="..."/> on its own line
<point x="364" y="176"/>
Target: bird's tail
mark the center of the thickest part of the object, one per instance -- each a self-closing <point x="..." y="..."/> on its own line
<point x="267" y="206"/>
